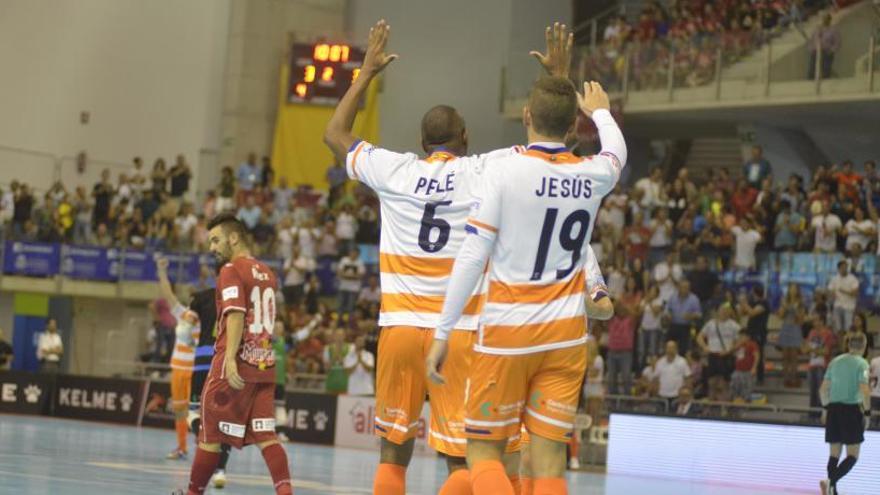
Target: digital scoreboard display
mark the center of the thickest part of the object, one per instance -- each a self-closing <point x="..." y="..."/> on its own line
<point x="320" y="73"/>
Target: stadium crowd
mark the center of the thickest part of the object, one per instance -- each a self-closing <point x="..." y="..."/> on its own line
<point x="662" y="244"/>
<point x="692" y="32"/>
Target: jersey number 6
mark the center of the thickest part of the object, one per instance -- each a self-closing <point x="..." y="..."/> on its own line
<point x="568" y="242"/>
<point x="431" y="223"/>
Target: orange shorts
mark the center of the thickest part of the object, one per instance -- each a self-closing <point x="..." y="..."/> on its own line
<point x="400" y="381"/>
<point x="540" y="390"/>
<point x="181" y="383"/>
<point x="447" y="401"/>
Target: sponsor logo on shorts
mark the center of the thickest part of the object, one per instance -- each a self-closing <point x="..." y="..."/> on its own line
<point x="396" y="413"/>
<point x="232" y="429"/>
<point x="506" y="409"/>
<point x="263" y="424"/>
<point x="486" y="408"/>
<point x="560" y="407"/>
<point x="535" y="400"/>
<point x="230" y="293"/>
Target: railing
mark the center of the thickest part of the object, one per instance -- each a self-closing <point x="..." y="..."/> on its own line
<point x="728" y="66"/>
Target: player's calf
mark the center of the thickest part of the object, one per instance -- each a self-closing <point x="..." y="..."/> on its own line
<point x="276" y="460"/>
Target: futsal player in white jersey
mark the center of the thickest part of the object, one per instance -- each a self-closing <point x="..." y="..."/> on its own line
<point x="533" y="219"/>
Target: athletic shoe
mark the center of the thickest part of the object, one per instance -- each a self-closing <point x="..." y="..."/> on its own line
<point x="176" y="455"/>
<point x="574" y="463"/>
<point x="282" y="437"/>
<point x="219" y="479"/>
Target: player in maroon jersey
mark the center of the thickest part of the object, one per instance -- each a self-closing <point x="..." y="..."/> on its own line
<point x="238" y="398"/>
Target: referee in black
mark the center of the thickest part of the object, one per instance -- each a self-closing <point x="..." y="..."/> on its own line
<point x="846" y="398"/>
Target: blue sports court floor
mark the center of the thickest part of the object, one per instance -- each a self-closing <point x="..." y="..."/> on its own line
<point x="52" y="456"/>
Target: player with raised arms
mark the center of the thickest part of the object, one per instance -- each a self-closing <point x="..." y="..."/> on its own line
<point x="238" y="397"/>
<point x="533" y="218"/>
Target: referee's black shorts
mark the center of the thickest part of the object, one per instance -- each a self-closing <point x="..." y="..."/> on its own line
<point x="844" y="424"/>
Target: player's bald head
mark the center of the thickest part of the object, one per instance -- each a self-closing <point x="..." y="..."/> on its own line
<point x="443" y="127"/>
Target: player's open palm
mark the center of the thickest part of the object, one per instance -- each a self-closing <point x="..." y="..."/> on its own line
<point x="375" y="60"/>
<point x="557" y="60"/>
<point x="594" y="98"/>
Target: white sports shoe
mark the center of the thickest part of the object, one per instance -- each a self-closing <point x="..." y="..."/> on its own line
<point x="574" y="463"/>
<point x="219" y="479"/>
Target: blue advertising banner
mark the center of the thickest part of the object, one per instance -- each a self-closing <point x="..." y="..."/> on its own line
<point x="85" y="263"/>
<point x="132" y="266"/>
<point x="32" y="259"/>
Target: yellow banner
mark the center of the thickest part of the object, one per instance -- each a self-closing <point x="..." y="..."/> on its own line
<point x="298" y="151"/>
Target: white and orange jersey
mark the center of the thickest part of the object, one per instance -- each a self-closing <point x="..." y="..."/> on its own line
<point x="186" y="336"/>
<point x="424" y="205"/>
<point x="538" y="209"/>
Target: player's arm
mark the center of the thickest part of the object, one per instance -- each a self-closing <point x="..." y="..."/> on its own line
<point x="596" y="105"/>
<point x="557" y="60"/>
<point x="598" y="304"/>
<point x="165" y="290"/>
<point x="234" y="331"/>
<point x="337" y="135"/>
<point x="232" y="312"/>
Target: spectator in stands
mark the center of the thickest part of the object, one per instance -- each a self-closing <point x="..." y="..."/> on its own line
<point x="23" y="204"/>
<point x="328" y="245"/>
<point x="226" y="190"/>
<point x="825" y="225"/>
<point x="636" y="237"/>
<point x="186" y="220"/>
<point x="646" y="384"/>
<point x="703" y="280"/>
<point x="651" y="189"/>
<point x="101" y="237"/>
<point x="745" y="368"/>
<point x="346" y="227"/>
<point x="137" y="177"/>
<point x="743" y="199"/>
<point x="359" y="364"/>
<point x="267" y="174"/>
<point x="334" y="362"/>
<point x="672" y="373"/>
<point x="859" y="231"/>
<point x="875" y="391"/>
<point x="248" y="174"/>
<point x="621" y="336"/>
<point x="250" y="213"/>
<point x="50" y="348"/>
<point x="650" y="329"/>
<point x="747" y="240"/>
<point x="792" y="313"/>
<point x="180" y="175"/>
<point x="296" y="268"/>
<point x="788" y="227"/>
<point x="371" y="295"/>
<point x="756" y="309"/>
<point x="282" y="196"/>
<point x="756" y="168"/>
<point x="667" y="274"/>
<point x="350" y="271"/>
<point x="685" y="405"/>
<point x="6" y="353"/>
<point x="860" y="327"/>
<point x="7" y="205"/>
<point x="336" y="177"/>
<point x="717" y="339"/>
<point x="684" y="312"/>
<point x="661" y="235"/>
<point x="159" y="176"/>
<point x="823" y="46"/>
<point x="819" y="346"/>
<point x="844" y="289"/>
<point x="102" y="193"/>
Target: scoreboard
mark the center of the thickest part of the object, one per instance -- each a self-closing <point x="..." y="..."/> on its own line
<point x="320" y="73"/>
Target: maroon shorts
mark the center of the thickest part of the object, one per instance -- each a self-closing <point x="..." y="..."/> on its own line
<point x="237" y="417"/>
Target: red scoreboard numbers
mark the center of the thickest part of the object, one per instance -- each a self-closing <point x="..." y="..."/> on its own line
<point x="321" y="73"/>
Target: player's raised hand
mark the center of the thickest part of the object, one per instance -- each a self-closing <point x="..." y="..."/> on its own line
<point x="375" y="60"/>
<point x="434" y="361"/>
<point x="557" y="60"/>
<point x="594" y="98"/>
<point x="235" y="380"/>
<point x="162" y="264"/>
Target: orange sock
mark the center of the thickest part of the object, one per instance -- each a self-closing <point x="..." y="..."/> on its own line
<point x="458" y="483"/>
<point x="550" y="486"/>
<point x="390" y="479"/>
<point x="489" y="478"/>
<point x="180" y="427"/>
<point x="517" y="485"/>
<point x="528" y="485"/>
<point x="573" y="446"/>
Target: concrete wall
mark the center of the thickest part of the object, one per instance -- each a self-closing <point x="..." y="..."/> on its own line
<point x="148" y="73"/>
<point x="104" y="336"/>
<point x="454" y="52"/>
